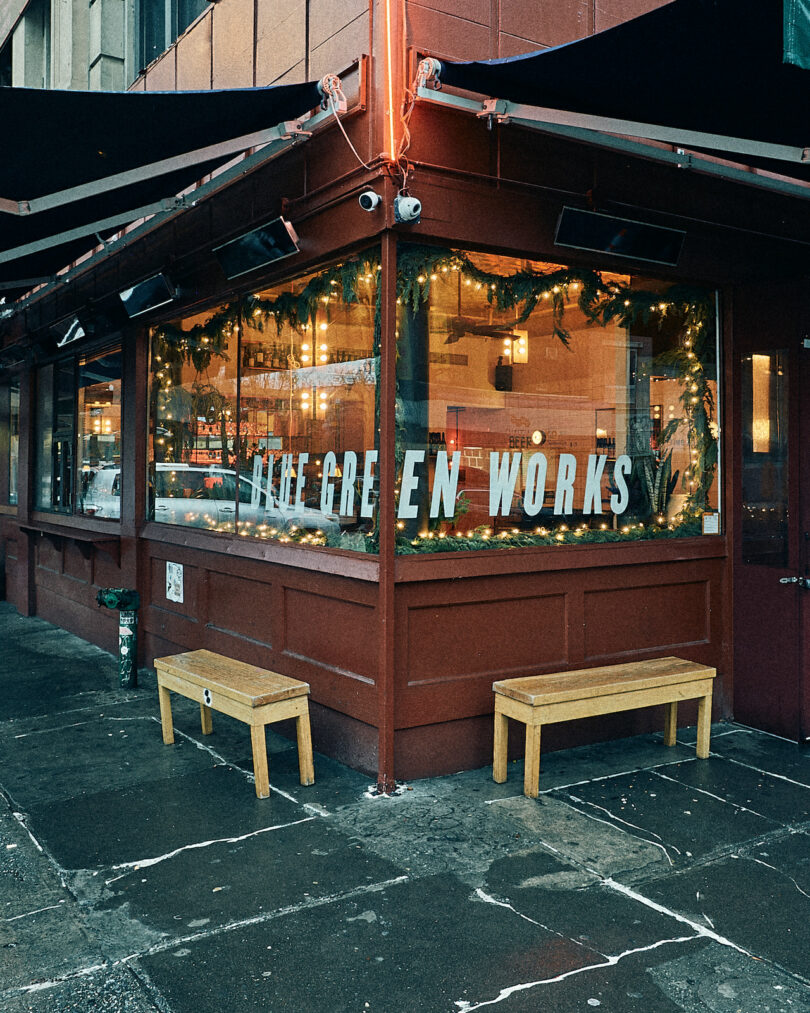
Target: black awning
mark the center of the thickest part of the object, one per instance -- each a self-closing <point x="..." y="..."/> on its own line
<point x="714" y="66"/>
<point x="81" y="163"/>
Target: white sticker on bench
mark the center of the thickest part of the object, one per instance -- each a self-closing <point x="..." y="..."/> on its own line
<point x="207" y="697"/>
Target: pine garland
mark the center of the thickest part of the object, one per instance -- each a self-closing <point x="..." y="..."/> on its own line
<point x="602" y="303"/>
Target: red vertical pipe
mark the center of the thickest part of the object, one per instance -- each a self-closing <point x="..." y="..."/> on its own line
<point x="388" y="388"/>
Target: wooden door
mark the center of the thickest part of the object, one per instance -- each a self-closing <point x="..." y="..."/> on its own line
<point x="771" y="564"/>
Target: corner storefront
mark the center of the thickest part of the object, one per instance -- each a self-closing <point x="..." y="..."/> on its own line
<point x="415" y="457"/>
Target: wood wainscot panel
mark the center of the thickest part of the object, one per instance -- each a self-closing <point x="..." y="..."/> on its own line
<point x="343" y="738"/>
<point x="241" y="608"/>
<point x="107" y="573"/>
<point x="667" y="617"/>
<point x="77" y="564"/>
<point x="99" y="626"/>
<point x="13" y="574"/>
<point x="48" y="554"/>
<point x="331" y="633"/>
<point x="452" y="652"/>
<point x="456" y="640"/>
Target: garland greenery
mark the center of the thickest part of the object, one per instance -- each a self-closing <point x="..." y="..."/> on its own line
<point x="689" y="311"/>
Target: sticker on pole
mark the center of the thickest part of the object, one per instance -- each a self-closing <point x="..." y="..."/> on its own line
<point x="125" y="631"/>
<point x="207" y="697"/>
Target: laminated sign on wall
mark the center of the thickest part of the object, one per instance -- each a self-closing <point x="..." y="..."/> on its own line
<point x="174" y="581"/>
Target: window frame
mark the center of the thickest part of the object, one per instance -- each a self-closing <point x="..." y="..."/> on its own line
<point x="70" y="506"/>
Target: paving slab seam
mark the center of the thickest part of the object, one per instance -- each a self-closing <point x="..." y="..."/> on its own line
<point x="465" y="1006"/>
<point x="206" y="934"/>
<point x="770" y="773"/>
<point x="594" y="780"/>
<point x="747" y="729"/>
<point x="701" y="930"/>
<point x="30" y="914"/>
<point x="247" y="774"/>
<point x="145" y="863"/>
<point x="489" y="899"/>
<point x="573" y="798"/>
<point x="736" y="850"/>
<point x="153" y="993"/>
<point x="79" y="724"/>
<point x="775" y="869"/>
<point x="711" y="794"/>
<point x="77" y="710"/>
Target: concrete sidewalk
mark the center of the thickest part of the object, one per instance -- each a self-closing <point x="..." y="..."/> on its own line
<point x="138" y="877"/>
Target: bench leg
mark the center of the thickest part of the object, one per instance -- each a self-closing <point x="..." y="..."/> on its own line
<point x="306" y="767"/>
<point x="166" y="715"/>
<point x="531" y="772"/>
<point x="670" y="723"/>
<point x="704" y="725"/>
<point x="260" y="774"/>
<point x="499" y="757"/>
<point x="205" y="719"/>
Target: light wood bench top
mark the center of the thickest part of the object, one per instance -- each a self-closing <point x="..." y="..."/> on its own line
<point x="246" y="684"/>
<point x="591" y="692"/>
<point x="245" y="692"/>
<point x="585" y="683"/>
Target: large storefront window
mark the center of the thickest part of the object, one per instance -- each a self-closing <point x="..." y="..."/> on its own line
<point x="262" y="413"/>
<point x="540" y="405"/>
<point x="78" y="461"/>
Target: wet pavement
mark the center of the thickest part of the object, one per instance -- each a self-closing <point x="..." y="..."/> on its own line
<point x="140" y="877"/>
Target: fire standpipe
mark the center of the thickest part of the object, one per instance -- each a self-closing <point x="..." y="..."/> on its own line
<point x="127" y="602"/>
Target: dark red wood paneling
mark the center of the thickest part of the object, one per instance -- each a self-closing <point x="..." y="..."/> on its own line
<point x="646" y="617"/>
<point x="455" y="640"/>
<point x="331" y="633"/>
<point x="244" y="608"/>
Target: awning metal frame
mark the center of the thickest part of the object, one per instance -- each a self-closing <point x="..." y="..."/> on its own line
<point x="572" y="126"/>
<point x="275" y="141"/>
<point x="504" y="110"/>
<point x="151" y="170"/>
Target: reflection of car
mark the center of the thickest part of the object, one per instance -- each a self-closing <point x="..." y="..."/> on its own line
<point x="205" y="497"/>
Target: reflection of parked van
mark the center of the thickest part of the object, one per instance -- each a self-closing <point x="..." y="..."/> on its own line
<point x="204" y="497"/>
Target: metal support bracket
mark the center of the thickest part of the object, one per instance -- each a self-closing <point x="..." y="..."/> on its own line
<point x="494" y="111"/>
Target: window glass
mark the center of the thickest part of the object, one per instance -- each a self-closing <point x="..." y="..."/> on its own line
<point x="78" y="442"/>
<point x="162" y="21"/>
<point x="153" y="30"/>
<point x="99" y="436"/>
<point x="13" y="441"/>
<point x="55" y="433"/>
<point x="765" y="459"/>
<point x="541" y="405"/>
<point x="193" y="416"/>
<point x="264" y="412"/>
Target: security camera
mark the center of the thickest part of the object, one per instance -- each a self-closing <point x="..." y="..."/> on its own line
<point x="407" y="209"/>
<point x="369" y="200"/>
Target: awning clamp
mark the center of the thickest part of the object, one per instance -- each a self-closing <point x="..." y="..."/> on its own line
<point x="494" y="111"/>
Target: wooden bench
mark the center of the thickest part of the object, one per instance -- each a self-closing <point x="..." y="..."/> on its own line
<point x="245" y="692"/>
<point x="544" y="699"/>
